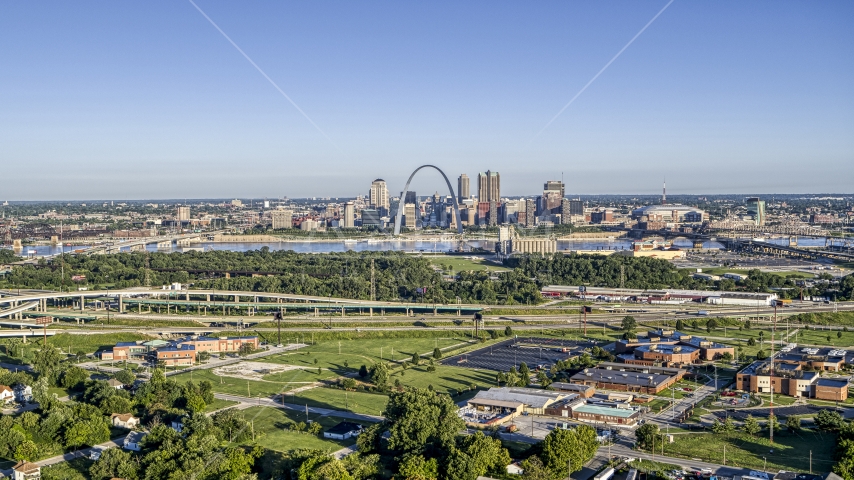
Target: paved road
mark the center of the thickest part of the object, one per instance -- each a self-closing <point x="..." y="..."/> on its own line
<point x="115" y="442"/>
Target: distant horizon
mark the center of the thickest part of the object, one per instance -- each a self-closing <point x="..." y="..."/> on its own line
<point x="322" y="197"/>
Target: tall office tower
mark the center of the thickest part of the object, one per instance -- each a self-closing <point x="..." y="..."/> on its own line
<point x="463" y="187"/>
<point x="410" y="198"/>
<point x="565" y="212"/>
<point x="378" y="195"/>
<point x="552" y="195"/>
<point x="530" y="212"/>
<point x="554" y="186"/>
<point x="282" y="219"/>
<point x="349" y="215"/>
<point x="492" y="217"/>
<point x="756" y="208"/>
<point x="409" y="215"/>
<point x="488" y="187"/>
<point x="183" y="214"/>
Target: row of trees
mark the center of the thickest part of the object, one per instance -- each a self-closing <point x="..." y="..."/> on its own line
<point x="396" y="275"/>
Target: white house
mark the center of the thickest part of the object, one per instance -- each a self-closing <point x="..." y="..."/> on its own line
<point x="124" y="420"/>
<point x="24" y="470"/>
<point x="6" y="394"/>
<point x="132" y="441"/>
<point x="343" y="431"/>
<point x="23" y="393"/>
<point x="116" y="384"/>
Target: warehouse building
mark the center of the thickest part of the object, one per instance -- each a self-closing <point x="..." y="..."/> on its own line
<point x="515" y="399"/>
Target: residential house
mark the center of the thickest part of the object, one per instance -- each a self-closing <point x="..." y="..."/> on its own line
<point x="116" y="384"/>
<point x="132" y="441"/>
<point x="24" y="470"/>
<point x="23" y="393"/>
<point x="124" y="420"/>
<point x="343" y="431"/>
<point x="6" y="394"/>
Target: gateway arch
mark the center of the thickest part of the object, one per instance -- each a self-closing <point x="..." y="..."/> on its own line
<point x="399" y="217"/>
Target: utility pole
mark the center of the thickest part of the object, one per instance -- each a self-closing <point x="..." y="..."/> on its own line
<point x="771" y="419"/>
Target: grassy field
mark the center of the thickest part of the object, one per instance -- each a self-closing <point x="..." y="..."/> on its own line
<point x="272" y="430"/>
<point x="219" y="405"/>
<point x="92" y="343"/>
<point x="240" y="386"/>
<point x="450" y="264"/>
<point x="778" y="399"/>
<point x="445" y="378"/>
<point x="790" y="452"/>
<point x="359" y="352"/>
<point x="657" y="405"/>
<point x="357" y="402"/>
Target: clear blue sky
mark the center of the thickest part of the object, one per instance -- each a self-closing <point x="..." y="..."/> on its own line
<point x="147" y="100"/>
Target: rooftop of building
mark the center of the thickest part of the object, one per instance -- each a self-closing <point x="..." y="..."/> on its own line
<point x="344" y="428"/>
<point x="529" y="396"/>
<point x="603" y="410"/>
<point x="620" y="378"/>
<point x="640" y="369"/>
<point x="572" y="387"/>
<point x="666" y="349"/>
<point x="177" y="348"/>
<point x="832" y="382"/>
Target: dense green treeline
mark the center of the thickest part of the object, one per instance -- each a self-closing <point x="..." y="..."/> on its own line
<point x="604" y="271"/>
<point x="396" y="276"/>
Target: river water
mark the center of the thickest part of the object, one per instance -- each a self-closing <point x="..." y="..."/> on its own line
<point x="404" y="246"/>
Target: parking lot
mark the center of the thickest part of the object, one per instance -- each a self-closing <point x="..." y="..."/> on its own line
<point x="532" y="351"/>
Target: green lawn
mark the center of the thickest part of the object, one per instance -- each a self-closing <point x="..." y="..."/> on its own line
<point x="359" y="352"/>
<point x="308" y="375"/>
<point x="238" y="386"/>
<point x="791" y="452"/>
<point x="656" y="405"/>
<point x="219" y="404"/>
<point x="271" y="430"/>
<point x="450" y="264"/>
<point x="778" y="399"/>
<point x="445" y="378"/>
<point x="92" y="343"/>
<point x="357" y="402"/>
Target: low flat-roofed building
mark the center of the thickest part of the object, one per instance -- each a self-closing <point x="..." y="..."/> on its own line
<point x="533" y="400"/>
<point x="668" y="355"/>
<point x="584" y="391"/>
<point x="606" y="414"/>
<point x="832" y="389"/>
<point x="178" y="355"/>
<point x="220" y="344"/>
<point x="563" y="408"/>
<point x="629" y="378"/>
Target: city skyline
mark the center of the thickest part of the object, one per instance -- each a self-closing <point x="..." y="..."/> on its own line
<point x="127" y="102"/>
